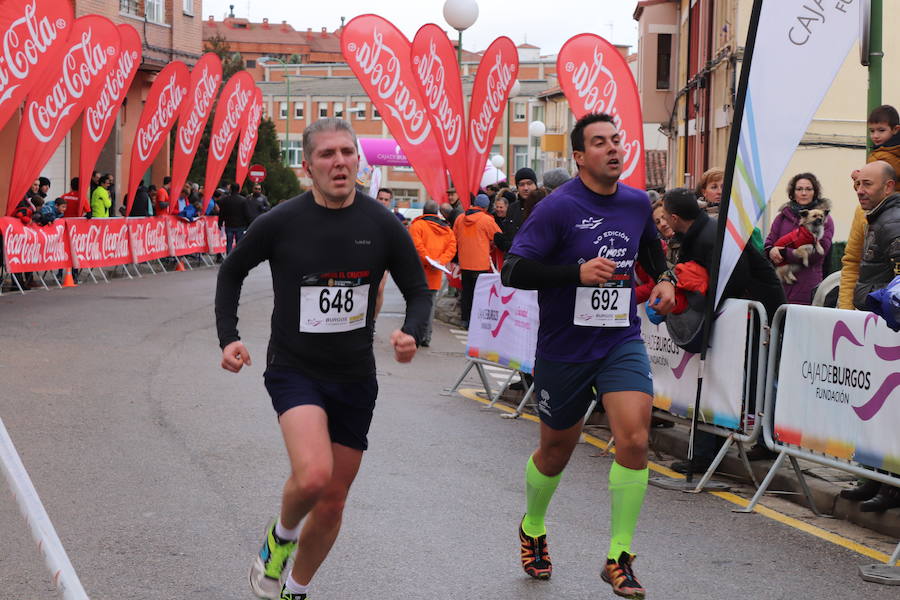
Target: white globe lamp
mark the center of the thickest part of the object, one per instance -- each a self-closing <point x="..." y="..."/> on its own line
<point x="498" y="161"/>
<point x="536" y="129"/>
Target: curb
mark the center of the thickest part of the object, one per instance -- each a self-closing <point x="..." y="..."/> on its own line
<point x="674" y="442"/>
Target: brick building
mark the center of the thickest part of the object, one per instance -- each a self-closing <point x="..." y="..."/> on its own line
<point x="170" y="30"/>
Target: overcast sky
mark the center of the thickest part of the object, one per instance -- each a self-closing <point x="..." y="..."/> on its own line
<point x="544" y="23"/>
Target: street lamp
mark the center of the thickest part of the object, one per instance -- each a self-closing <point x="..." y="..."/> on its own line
<point x="287" y="129"/>
<point x="536" y="129"/>
<point x="513" y="92"/>
<point x="497" y="162"/>
<point x="460" y="15"/>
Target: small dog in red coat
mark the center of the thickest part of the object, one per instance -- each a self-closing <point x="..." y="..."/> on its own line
<point x="804" y="240"/>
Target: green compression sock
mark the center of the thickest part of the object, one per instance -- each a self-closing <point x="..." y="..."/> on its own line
<point x="626" y="496"/>
<point x="538" y="491"/>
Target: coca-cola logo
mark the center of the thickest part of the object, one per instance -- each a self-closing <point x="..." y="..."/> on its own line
<point x="432" y="74"/>
<point x="234" y="108"/>
<point x="81" y="64"/>
<point x="32" y="246"/>
<point x="188" y="236"/>
<point x="149" y="238"/>
<point x="190" y="131"/>
<point x="595" y="87"/>
<point x="27" y="40"/>
<point x="170" y="99"/>
<point x="498" y="81"/>
<point x="100" y="242"/>
<point x="98" y="115"/>
<point x="248" y="141"/>
<point x="384" y="70"/>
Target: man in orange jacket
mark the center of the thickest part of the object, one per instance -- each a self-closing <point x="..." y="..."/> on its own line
<point x="474" y="231"/>
<point x="434" y="240"/>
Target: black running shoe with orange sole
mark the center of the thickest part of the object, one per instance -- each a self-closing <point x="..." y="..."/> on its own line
<point x="535" y="556"/>
<point x="619" y="574"/>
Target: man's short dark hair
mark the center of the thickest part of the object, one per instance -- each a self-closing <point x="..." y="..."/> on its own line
<point x="682" y="202"/>
<point x="430" y="208"/>
<point x="74" y="183"/>
<point x="104" y="178"/>
<point x="885" y="114"/>
<point x="235" y="188"/>
<point x="167" y="180"/>
<point x="44" y="181"/>
<point x="386" y="191"/>
<point x="577" y="137"/>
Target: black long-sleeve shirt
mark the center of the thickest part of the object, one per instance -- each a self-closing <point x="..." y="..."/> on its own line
<point x="320" y="258"/>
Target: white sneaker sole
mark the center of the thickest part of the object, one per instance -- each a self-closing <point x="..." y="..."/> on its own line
<point x="262" y="586"/>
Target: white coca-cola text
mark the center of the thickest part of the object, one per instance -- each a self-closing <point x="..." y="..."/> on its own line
<point x="384" y="71"/>
<point x="447" y="120"/>
<point x="162" y="119"/>
<point x="188" y="236"/>
<point x="234" y="108"/>
<point x="99" y="243"/>
<point x="190" y="130"/>
<point x="81" y="65"/>
<point x="248" y="141"/>
<point x="585" y="79"/>
<point x="99" y="115"/>
<point x="148" y="238"/>
<point x="482" y="123"/>
<point x="28" y="38"/>
<point x="35" y="247"/>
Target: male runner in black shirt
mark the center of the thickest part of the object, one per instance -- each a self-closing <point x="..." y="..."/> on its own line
<point x="327" y="250"/>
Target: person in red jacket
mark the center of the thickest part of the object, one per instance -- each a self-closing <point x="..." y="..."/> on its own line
<point x="474" y="231"/>
<point x="434" y="240"/>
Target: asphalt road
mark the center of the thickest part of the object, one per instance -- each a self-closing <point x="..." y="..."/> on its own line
<point x="160" y="471"/>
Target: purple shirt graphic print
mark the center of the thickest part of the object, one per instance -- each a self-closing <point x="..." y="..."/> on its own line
<point x="571" y="226"/>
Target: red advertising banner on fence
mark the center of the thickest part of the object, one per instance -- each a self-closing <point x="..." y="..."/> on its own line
<point x="56" y="101"/>
<point x="215" y="237"/>
<point x="186" y="237"/>
<point x="379" y="55"/>
<point x="34" y="248"/>
<point x="100" y="111"/>
<point x="493" y="81"/>
<point x="206" y="77"/>
<point x="437" y="77"/>
<point x="230" y="113"/>
<point x="34" y="35"/>
<point x="99" y="242"/>
<point x="249" y="136"/>
<point x="161" y="109"/>
<point x="595" y="78"/>
<point x="149" y="238"/>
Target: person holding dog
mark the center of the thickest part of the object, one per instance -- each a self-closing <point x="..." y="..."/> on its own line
<point x="804" y="196"/>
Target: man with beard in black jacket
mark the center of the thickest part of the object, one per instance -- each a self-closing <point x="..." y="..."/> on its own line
<point x="234" y="213"/>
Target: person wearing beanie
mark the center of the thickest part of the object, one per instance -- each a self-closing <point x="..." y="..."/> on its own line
<point x="474" y="232"/>
<point x="44" y="188"/>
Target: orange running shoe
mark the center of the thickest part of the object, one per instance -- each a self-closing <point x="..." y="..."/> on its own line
<point x="619" y="575"/>
<point x="535" y="557"/>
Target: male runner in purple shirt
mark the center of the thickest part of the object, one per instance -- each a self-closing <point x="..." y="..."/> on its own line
<point x="578" y="248"/>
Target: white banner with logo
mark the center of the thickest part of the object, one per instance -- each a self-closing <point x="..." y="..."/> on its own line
<point x="838" y="379"/>
<point x="800" y="45"/>
<point x="675" y="371"/>
<point x="504" y="324"/>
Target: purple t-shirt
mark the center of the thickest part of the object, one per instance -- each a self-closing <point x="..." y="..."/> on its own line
<point x="574" y="225"/>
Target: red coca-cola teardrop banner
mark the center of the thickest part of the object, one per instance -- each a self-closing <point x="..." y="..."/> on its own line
<point x="55" y="103"/>
<point x="100" y="113"/>
<point x="379" y="55"/>
<point x="596" y="79"/>
<point x="32" y="36"/>
<point x="493" y="81"/>
<point x="161" y="109"/>
<point x="206" y="78"/>
<point x="437" y="77"/>
<point x="249" y="136"/>
<point x="230" y="113"/>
